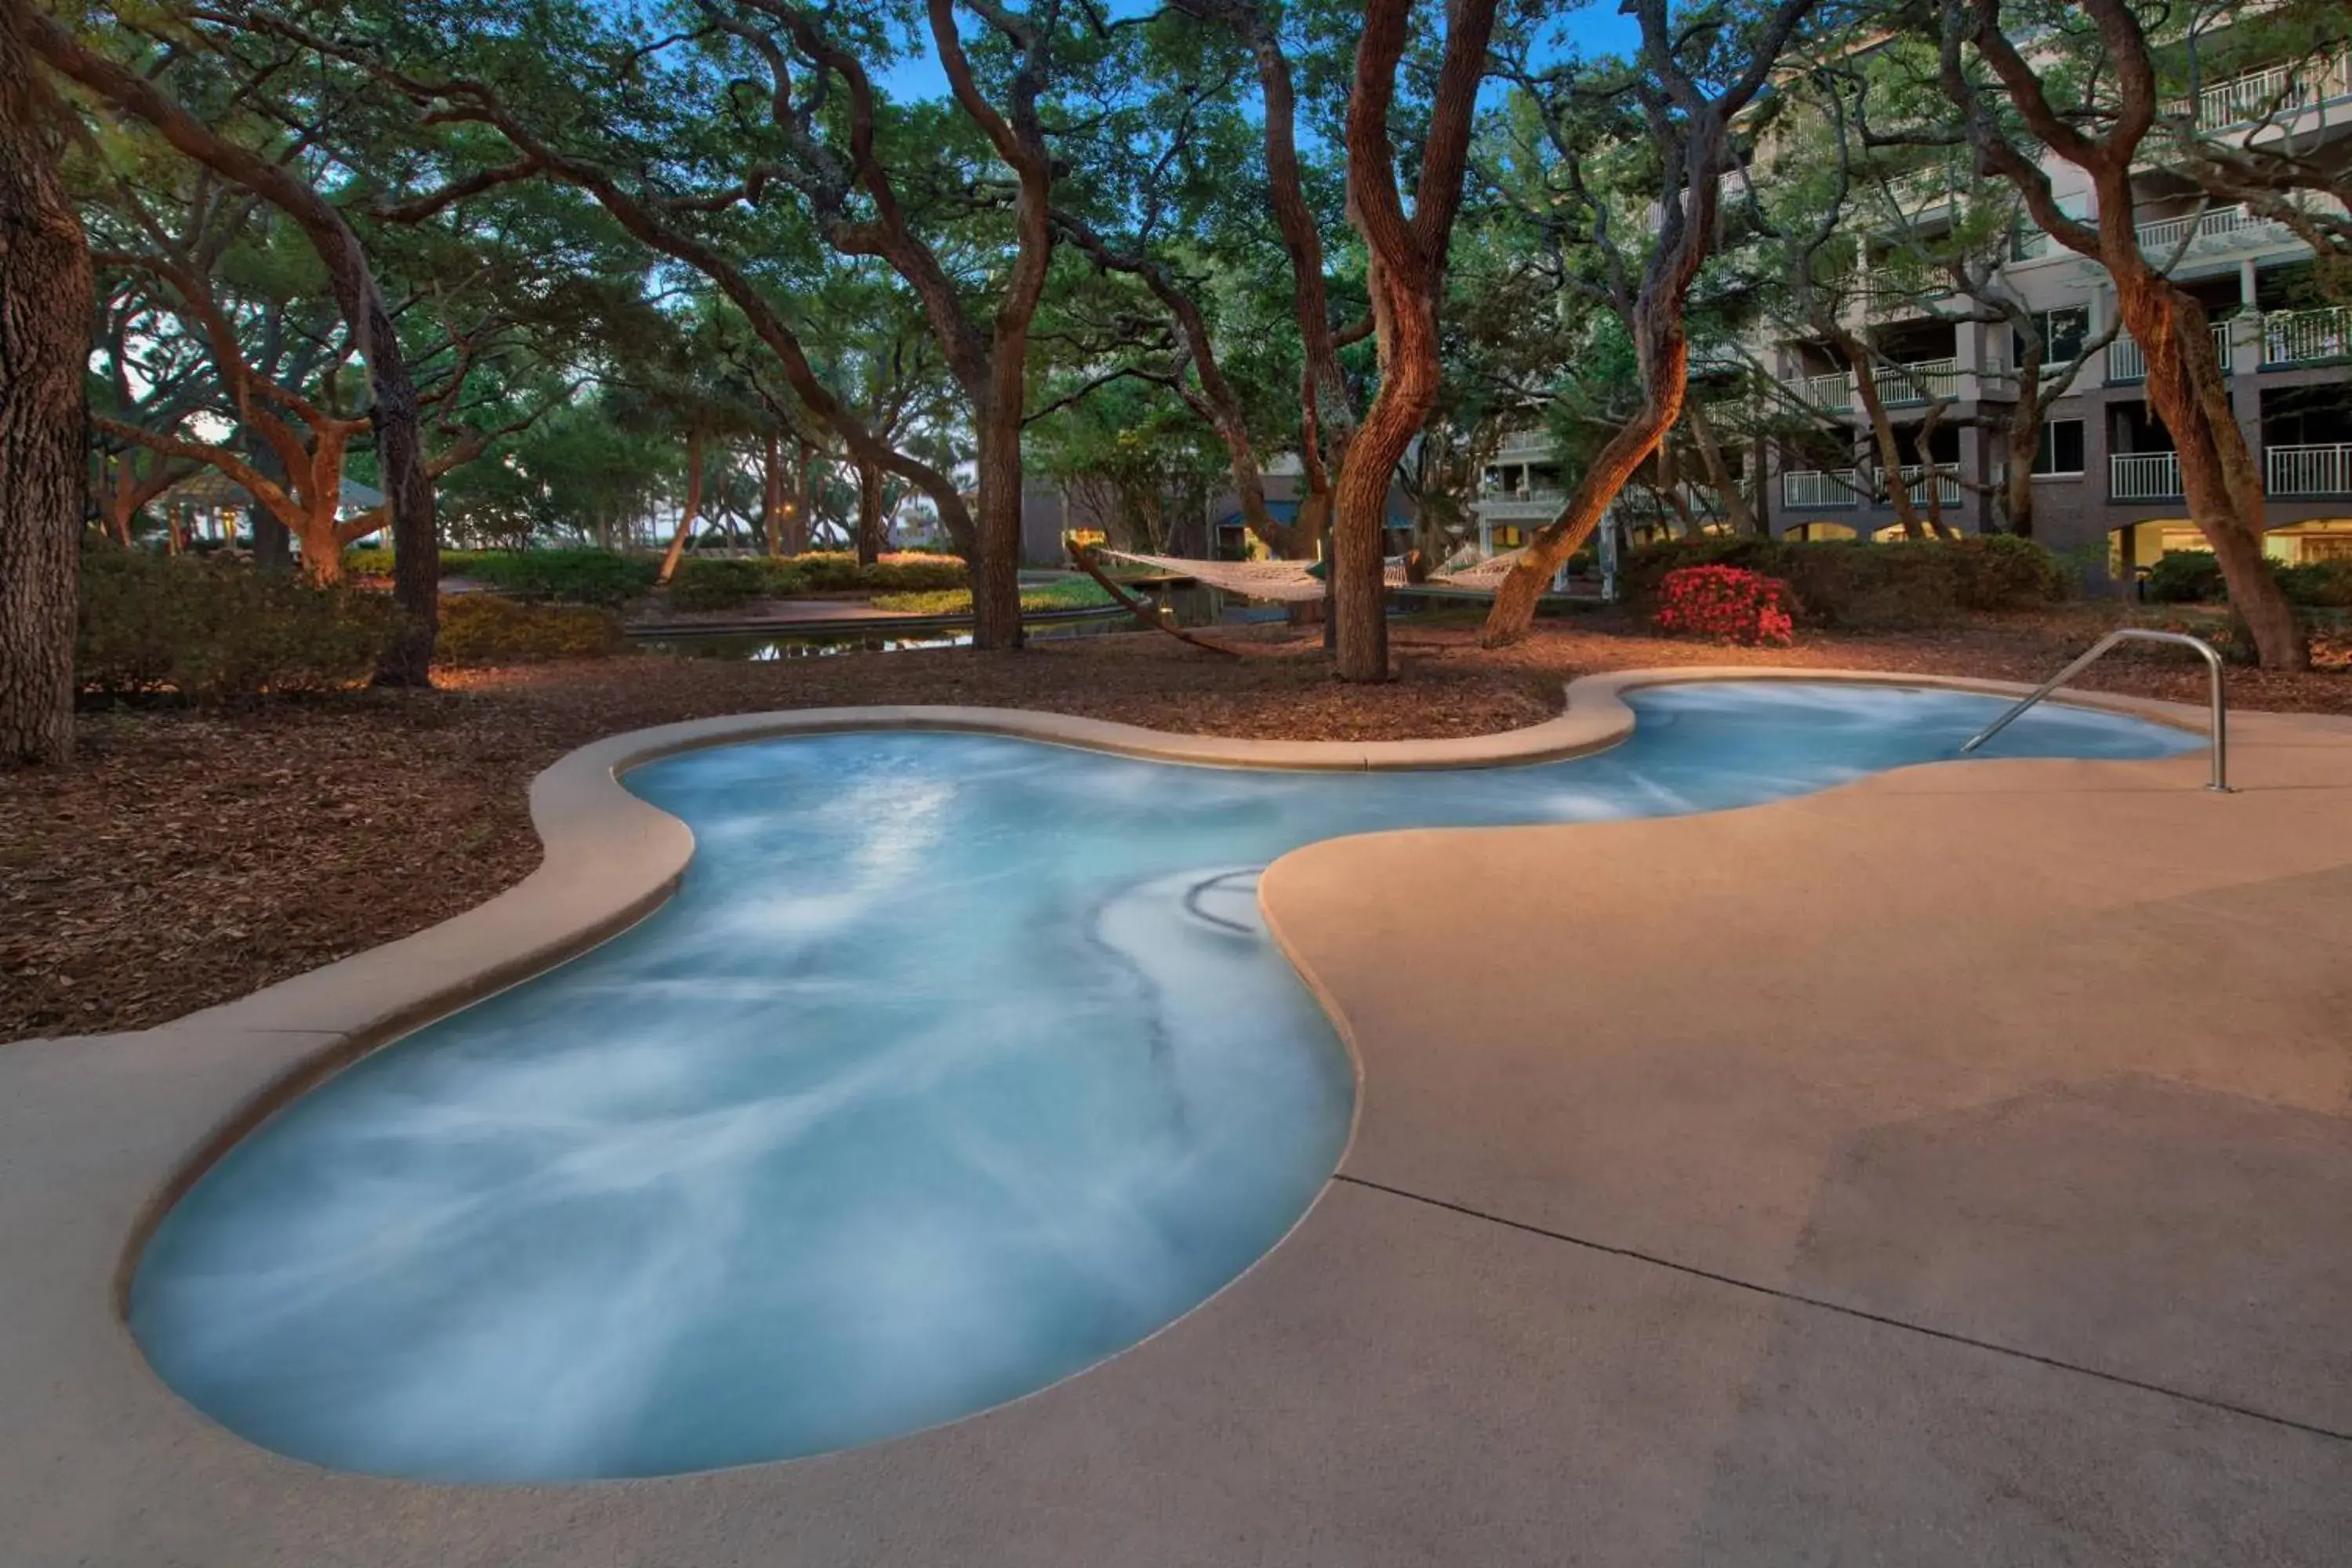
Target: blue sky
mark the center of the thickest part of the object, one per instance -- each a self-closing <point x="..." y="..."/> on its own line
<point x="1594" y="28"/>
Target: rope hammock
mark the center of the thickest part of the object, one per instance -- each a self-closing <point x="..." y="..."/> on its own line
<point x="1291" y="582"/>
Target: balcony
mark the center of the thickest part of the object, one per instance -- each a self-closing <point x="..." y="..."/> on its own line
<point x="1831" y="394"/>
<point x="1947" y="479"/>
<point x="1520" y="506"/>
<point x="1820" y="487"/>
<point x="2127" y="362"/>
<point x="1917" y="382"/>
<point x="1899" y="387"/>
<point x="1525" y="446"/>
<point x="2322" y="470"/>
<point x="2302" y="337"/>
<point x="2277" y="92"/>
<point x="2215" y="229"/>
<point x="2143" y="475"/>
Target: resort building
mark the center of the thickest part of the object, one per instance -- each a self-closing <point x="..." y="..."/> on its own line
<point x="2105" y="479"/>
<point x="2105" y="473"/>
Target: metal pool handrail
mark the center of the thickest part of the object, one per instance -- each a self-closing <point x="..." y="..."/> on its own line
<point x="2128" y="634"/>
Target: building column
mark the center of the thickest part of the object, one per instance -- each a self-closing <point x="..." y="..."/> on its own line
<point x="1968" y="347"/>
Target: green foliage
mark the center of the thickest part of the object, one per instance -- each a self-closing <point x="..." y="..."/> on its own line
<point x="705" y="585"/>
<point x="573" y="576"/>
<point x="2319" y="584"/>
<point x="1077" y="594"/>
<point x="485" y="628"/>
<point x="836" y="572"/>
<point x="2184" y="577"/>
<point x="220" y="632"/>
<point x="2194" y="576"/>
<point x="1855" y="585"/>
<point x="700" y="587"/>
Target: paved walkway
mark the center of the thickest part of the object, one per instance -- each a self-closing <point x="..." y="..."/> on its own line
<point x="1955" y="1168"/>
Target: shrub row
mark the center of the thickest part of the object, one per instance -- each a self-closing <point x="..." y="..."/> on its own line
<point x="2194" y="576"/>
<point x="216" y="631"/>
<point x="1854" y="584"/>
<point x="720" y="584"/>
<point x="570" y="576"/>
<point x="484" y="628"/>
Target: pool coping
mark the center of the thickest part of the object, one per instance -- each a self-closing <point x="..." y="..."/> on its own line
<point x="117" y="1126"/>
<point x="610" y="859"/>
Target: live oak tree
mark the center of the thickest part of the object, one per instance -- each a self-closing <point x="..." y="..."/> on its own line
<point x="1405" y="277"/>
<point x="1204" y="205"/>
<point x="45" y="295"/>
<point x="2101" y="128"/>
<point x="1695" y="75"/>
<point x="146" y="95"/>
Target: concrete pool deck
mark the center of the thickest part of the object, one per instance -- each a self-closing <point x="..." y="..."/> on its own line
<point x="1953" y="1167"/>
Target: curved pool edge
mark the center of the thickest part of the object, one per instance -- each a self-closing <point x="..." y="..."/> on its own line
<point x="107" y="1463"/>
<point x="609" y="859"/>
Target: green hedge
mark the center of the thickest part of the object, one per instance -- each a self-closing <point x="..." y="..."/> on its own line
<point x="218" y="631"/>
<point x="718" y="584"/>
<point x="2194" y="576"/>
<point x="484" y="628"/>
<point x="1854" y="584"/>
<point x="570" y="576"/>
<point x="723" y="583"/>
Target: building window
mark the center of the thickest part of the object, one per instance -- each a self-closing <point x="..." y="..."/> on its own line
<point x="2064" y="333"/>
<point x="1508" y="538"/>
<point x="2061" y="452"/>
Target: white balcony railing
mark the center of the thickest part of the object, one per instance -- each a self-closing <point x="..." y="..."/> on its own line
<point x="2143" y="475"/>
<point x="1522" y="445"/>
<point x="1899" y="385"/>
<point x="1818" y="486"/>
<point x="2127" y="362"/>
<point x="2291" y="337"/>
<point x="2277" y="92"/>
<point x="1919" y="381"/>
<point x="2214" y="226"/>
<point x="1831" y="394"/>
<point x="1947" y="478"/>
<point x="2322" y="470"/>
<point x="1519" y="506"/>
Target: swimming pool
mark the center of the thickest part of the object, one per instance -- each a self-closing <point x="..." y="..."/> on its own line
<point x="956" y="1064"/>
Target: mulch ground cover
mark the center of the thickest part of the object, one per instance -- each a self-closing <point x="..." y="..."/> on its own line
<point x="187" y="857"/>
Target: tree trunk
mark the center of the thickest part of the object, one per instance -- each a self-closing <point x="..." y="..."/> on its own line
<point x="2024" y="437"/>
<point x="996" y="564"/>
<point x="1666" y="350"/>
<point x="1359" y="502"/>
<point x="772" y="498"/>
<point x="45" y="307"/>
<point x="1737" y="513"/>
<point x="693" y="508"/>
<point x="802" y="519"/>
<point x="2218" y="476"/>
<point x="869" y="513"/>
<point x="1882" y="429"/>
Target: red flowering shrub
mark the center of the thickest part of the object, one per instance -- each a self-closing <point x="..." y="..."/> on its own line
<point x="1726" y="604"/>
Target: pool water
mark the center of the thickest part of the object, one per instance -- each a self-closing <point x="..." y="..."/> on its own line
<point x="957" y="1065"/>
